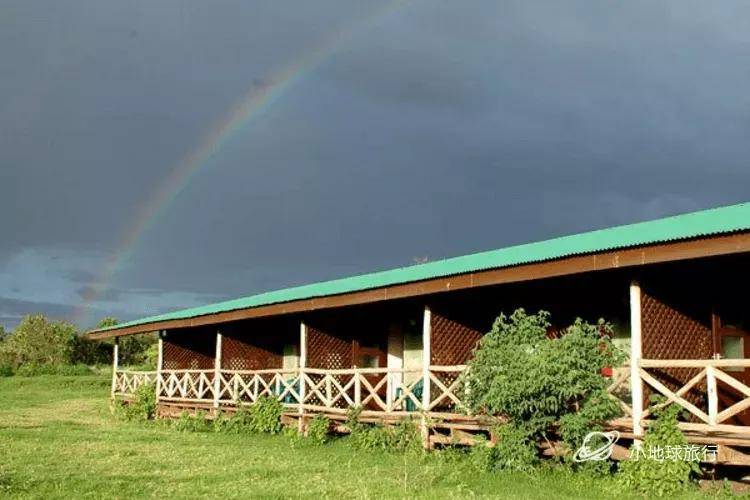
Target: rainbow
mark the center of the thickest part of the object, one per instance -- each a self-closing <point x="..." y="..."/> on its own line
<point x="247" y="109"/>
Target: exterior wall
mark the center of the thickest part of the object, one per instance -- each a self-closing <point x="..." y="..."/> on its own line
<point x="452" y="340"/>
<point x="189" y="349"/>
<point x="676" y="324"/>
<point x="675" y="329"/>
<point x="258" y="344"/>
<point x="328" y="347"/>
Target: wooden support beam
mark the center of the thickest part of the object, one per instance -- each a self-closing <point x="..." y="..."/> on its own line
<point x="636" y="384"/>
<point x="217" y="371"/>
<point x="426" y="359"/>
<point x="159" y="364"/>
<point x="115" y="364"/>
<point x="302" y="366"/>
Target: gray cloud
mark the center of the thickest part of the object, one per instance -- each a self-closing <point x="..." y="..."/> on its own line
<point x="439" y="129"/>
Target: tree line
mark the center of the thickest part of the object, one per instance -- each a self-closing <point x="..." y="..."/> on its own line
<point x="39" y="342"/>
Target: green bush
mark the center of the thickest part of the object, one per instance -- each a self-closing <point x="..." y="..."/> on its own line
<point x="192" y="423"/>
<point x="543" y="386"/>
<point x="6" y="371"/>
<point x="262" y="416"/>
<point x="317" y="429"/>
<point x="265" y="415"/>
<point x="649" y="470"/>
<point x="514" y="451"/>
<point x="142" y="406"/>
<point x="401" y="437"/>
<point x="239" y="422"/>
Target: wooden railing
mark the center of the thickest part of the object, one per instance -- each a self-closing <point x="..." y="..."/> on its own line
<point x="712" y="395"/>
<point x="127" y="382"/>
<point x="375" y="390"/>
<point x="194" y="386"/>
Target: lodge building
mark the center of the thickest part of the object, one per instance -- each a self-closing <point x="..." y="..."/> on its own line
<point x="396" y="342"/>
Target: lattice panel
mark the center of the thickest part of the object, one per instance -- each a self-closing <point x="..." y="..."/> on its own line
<point x="673" y="332"/>
<point x="327" y="351"/>
<point x="452" y="342"/>
<point x="187" y="350"/>
<point x="241" y="354"/>
<point x="445" y="404"/>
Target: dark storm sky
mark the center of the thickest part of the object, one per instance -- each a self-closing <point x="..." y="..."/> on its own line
<point x="438" y="129"/>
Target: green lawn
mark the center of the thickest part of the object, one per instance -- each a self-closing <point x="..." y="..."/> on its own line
<point x="58" y="439"/>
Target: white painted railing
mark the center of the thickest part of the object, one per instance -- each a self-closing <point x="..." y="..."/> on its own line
<point x="194" y="386"/>
<point x="127" y="382"/>
<point x="709" y="412"/>
<point x="375" y="390"/>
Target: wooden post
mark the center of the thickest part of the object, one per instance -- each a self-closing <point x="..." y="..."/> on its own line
<point x="159" y="364"/>
<point x="329" y="390"/>
<point x="217" y="372"/>
<point x="357" y="388"/>
<point x="713" y="396"/>
<point x="302" y="366"/>
<point x="636" y="384"/>
<point x="426" y="359"/>
<point x="115" y="364"/>
<point x="388" y="392"/>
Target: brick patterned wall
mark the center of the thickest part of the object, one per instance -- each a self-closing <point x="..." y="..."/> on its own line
<point x="189" y="349"/>
<point x="452" y="341"/>
<point x="325" y="350"/>
<point x="675" y="329"/>
<point x="248" y="353"/>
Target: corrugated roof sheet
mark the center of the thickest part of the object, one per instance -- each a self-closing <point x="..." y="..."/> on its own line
<point x="707" y="222"/>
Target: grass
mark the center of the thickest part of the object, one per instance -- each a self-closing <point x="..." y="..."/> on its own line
<point x="58" y="439"/>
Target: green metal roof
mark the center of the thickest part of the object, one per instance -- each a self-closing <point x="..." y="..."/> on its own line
<point x="704" y="223"/>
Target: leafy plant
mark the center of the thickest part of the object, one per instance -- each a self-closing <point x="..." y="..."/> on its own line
<point x="143" y="404"/>
<point x="317" y="429"/>
<point x="265" y="415"/>
<point x="192" y="423"/>
<point x="401" y="437"/>
<point x="655" y="469"/>
<point x="543" y="386"/>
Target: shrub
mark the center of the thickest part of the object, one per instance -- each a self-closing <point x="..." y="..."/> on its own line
<point x="238" y="423"/>
<point x="513" y="451"/>
<point x="143" y="404"/>
<point x="265" y="415"/>
<point x="543" y="386"/>
<point x="654" y="475"/>
<point x="401" y="437"/>
<point x="192" y="423"/>
<point x="317" y="429"/>
<point x="6" y="370"/>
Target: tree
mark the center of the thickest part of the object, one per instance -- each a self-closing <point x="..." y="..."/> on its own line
<point x="37" y="340"/>
<point x="107" y="322"/>
<point x="545" y="387"/>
